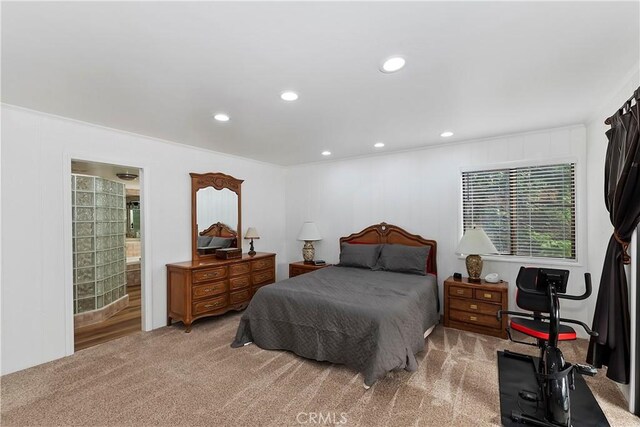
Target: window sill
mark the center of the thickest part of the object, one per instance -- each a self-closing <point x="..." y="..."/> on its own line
<point x="527" y="260"/>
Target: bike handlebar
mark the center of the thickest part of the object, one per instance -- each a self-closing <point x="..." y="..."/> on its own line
<point x="587" y="291"/>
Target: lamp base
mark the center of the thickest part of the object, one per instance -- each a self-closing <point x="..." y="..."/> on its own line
<point x="308" y="252"/>
<point x="474" y="268"/>
<point x="251" y="251"/>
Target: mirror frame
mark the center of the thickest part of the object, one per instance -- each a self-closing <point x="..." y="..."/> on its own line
<point x="218" y="181"/>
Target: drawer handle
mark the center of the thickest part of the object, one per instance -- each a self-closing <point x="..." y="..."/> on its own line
<point x="459" y="291"/>
<point x="473" y="307"/>
<point x="208" y="289"/>
<point x="212" y="305"/>
<point x="488" y="296"/>
<point x="473" y="318"/>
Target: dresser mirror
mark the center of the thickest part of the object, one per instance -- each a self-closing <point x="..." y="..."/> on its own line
<point x="215" y="213"/>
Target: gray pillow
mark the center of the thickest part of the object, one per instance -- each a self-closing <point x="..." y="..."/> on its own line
<point x="403" y="259"/>
<point x="203" y="241"/>
<point x="220" y="242"/>
<point x="363" y="256"/>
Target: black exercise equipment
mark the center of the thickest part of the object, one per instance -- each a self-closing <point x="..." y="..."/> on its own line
<point x="539" y="291"/>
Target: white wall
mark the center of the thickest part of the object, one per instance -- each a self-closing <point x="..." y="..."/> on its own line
<point x="36" y="149"/>
<point x="420" y="191"/>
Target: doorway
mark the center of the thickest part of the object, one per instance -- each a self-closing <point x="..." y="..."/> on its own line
<point x="106" y="208"/>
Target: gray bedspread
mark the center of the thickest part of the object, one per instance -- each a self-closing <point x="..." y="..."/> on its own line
<point x="372" y="321"/>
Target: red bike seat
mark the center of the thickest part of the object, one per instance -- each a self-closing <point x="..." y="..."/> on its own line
<point x="539" y="329"/>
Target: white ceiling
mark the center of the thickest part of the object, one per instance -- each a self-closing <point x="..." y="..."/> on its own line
<point x="161" y="69"/>
<point x="106" y="171"/>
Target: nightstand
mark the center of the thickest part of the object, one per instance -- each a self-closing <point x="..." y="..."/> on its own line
<point x="298" y="268"/>
<point x="473" y="306"/>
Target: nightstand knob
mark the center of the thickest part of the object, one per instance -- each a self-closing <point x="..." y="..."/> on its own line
<point x="459" y="291"/>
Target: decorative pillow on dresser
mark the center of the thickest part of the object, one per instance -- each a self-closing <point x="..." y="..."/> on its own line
<point x="403" y="259"/>
<point x="363" y="256"/>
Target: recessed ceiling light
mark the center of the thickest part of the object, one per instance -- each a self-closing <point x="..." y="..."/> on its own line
<point x="393" y="64"/>
<point x="326" y="153"/>
<point x="446" y="134"/>
<point x="289" y="96"/>
<point x="379" y="144"/>
<point x="221" y="117"/>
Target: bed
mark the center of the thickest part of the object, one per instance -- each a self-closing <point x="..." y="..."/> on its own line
<point x="371" y="321"/>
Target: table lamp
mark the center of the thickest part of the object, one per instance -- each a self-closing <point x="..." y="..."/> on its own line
<point x="474" y="243"/>
<point x="309" y="233"/>
<point x="252" y="233"/>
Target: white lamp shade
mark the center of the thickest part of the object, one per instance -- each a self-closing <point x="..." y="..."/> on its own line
<point x="475" y="242"/>
<point x="252" y="233"/>
<point x="309" y="232"/>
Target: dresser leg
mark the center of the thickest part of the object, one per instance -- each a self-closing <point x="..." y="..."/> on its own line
<point x="168" y="321"/>
<point x="188" y="328"/>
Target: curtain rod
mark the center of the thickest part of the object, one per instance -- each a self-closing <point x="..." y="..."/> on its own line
<point x="636" y="96"/>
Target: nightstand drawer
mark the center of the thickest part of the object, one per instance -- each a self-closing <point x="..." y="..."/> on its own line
<point x="210" y="305"/>
<point x="488" y="295"/>
<point x="296" y="271"/>
<point x="458" y="291"/>
<point x="262" y="264"/>
<point x="209" y="274"/>
<point x="474" y="306"/>
<point x="204" y="291"/>
<point x="239" y="282"/>
<point x="475" y="319"/>
<point x="238" y="269"/>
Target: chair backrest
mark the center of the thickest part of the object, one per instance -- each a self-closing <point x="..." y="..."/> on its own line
<point x="526" y="279"/>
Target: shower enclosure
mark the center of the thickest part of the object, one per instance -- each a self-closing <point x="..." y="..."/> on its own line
<point x="99" y="227"/>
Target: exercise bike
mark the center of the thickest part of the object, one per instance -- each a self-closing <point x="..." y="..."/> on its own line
<point x="540" y="291"/>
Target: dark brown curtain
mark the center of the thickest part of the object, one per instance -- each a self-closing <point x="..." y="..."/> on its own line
<point x="622" y="198"/>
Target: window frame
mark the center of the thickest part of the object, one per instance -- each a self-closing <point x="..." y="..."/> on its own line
<point x="580" y="179"/>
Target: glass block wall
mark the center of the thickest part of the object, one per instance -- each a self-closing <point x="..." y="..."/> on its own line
<point x="99" y="226"/>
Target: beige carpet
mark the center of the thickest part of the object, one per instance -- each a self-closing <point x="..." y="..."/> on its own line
<point x="167" y="377"/>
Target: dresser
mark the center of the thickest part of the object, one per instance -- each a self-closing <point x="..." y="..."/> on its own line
<point x="212" y="287"/>
<point x="301" y="267"/>
<point x="473" y="306"/>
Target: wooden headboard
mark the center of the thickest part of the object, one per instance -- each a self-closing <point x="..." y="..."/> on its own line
<point x="388" y="233"/>
<point x="221" y="230"/>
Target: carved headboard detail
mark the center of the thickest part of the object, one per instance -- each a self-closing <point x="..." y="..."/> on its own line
<point x="388" y="233"/>
<point x="220" y="230"/>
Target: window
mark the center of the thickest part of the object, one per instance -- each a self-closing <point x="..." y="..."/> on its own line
<point x="525" y="211"/>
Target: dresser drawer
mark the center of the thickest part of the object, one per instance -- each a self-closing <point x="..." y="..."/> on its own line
<point x="262" y="277"/>
<point x="204" y="291"/>
<point x="488" y="295"/>
<point x="474" y="318"/>
<point x="236" y="297"/>
<point x="209" y="305"/>
<point x="209" y="274"/>
<point x="238" y="269"/>
<point x="474" y="306"/>
<point x="261" y="264"/>
<point x="458" y="291"/>
<point x="239" y="282"/>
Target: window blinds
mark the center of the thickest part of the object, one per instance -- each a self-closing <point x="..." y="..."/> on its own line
<point x="525" y="211"/>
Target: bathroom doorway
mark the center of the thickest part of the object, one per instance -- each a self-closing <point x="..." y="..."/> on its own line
<point x="106" y="212"/>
